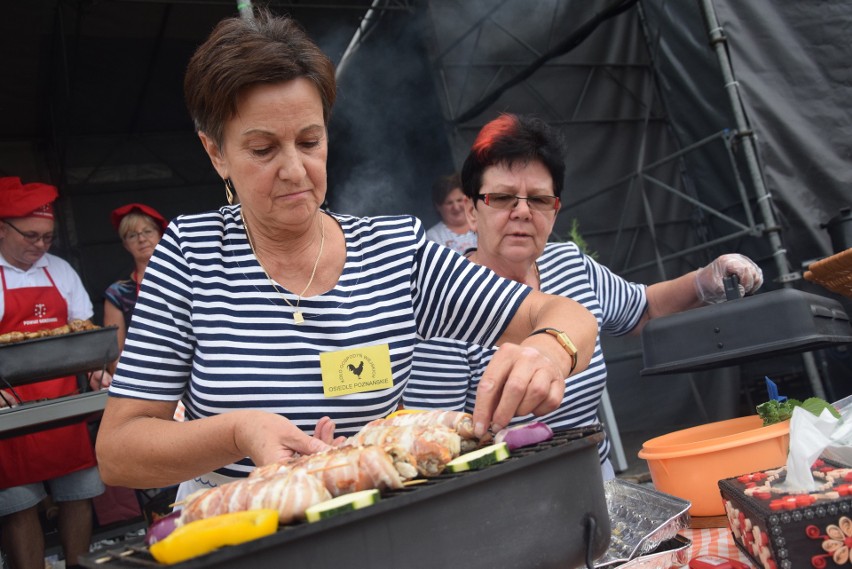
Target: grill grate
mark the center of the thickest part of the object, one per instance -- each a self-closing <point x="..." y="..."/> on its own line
<point x="134" y="554"/>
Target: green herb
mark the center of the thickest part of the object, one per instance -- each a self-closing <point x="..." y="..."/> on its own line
<point x="575" y="236"/>
<point x="774" y="411"/>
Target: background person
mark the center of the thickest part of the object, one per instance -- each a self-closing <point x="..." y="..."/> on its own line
<point x="513" y="176"/>
<point x="453" y="230"/>
<point x="140" y="228"/>
<point x="41" y="291"/>
<point x="257" y="313"/>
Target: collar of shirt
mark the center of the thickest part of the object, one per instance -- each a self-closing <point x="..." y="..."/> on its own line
<point x="42" y="262"/>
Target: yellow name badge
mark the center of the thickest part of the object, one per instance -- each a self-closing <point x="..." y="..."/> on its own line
<point x="356" y="370"/>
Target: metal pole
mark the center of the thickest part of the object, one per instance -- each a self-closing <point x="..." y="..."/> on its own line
<point x="764" y="200"/>
<point x="619" y="459"/>
<point x="246" y="10"/>
<point x="719" y="42"/>
<point x="356" y="38"/>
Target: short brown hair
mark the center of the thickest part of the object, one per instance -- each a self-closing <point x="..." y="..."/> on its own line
<point x="443" y="186"/>
<point x="241" y="53"/>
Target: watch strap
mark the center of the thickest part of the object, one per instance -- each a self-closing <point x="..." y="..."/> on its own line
<point x="564" y="341"/>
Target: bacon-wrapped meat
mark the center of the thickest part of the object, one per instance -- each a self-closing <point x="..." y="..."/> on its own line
<point x="431" y="448"/>
<point x="462" y="423"/>
<point x="290" y="492"/>
<point x="344" y="469"/>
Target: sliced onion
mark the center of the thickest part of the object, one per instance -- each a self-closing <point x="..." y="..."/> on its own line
<point x="524" y="435"/>
<point x="161" y="528"/>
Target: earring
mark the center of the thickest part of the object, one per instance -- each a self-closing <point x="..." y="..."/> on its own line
<point x="229" y="191"/>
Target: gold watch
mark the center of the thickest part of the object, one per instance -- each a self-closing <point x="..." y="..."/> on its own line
<point x="564" y="341"/>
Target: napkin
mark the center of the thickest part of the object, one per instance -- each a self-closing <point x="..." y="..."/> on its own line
<point x="840" y="448"/>
<point x="812" y="436"/>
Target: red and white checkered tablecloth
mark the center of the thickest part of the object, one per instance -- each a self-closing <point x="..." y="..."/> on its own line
<point x="714" y="541"/>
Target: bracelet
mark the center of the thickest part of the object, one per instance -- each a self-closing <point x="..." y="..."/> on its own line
<point x="564" y="341"/>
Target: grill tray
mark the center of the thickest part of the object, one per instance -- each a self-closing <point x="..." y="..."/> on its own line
<point x="528" y="511"/>
<point x="642" y="519"/>
<point x="57" y="356"/>
<point x="778" y="322"/>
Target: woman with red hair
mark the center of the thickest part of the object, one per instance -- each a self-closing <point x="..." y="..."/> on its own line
<point x="514" y="177"/>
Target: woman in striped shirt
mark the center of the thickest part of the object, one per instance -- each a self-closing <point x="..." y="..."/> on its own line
<point x="280" y="324"/>
<point x="513" y="177"/>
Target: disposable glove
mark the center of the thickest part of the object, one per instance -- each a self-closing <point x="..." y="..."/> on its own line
<point x="709" y="285"/>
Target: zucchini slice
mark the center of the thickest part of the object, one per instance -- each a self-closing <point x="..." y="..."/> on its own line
<point x="345" y="503"/>
<point x="479" y="458"/>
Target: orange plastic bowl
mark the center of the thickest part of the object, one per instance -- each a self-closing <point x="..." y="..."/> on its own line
<point x="689" y="463"/>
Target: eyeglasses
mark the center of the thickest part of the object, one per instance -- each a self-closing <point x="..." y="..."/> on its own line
<point x="32" y="237"/>
<point x="146" y="233"/>
<point x="510" y="201"/>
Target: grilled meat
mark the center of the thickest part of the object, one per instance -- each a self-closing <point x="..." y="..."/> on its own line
<point x="462" y="423"/>
<point x="428" y="448"/>
<point x="290" y="492"/>
<point x="344" y="469"/>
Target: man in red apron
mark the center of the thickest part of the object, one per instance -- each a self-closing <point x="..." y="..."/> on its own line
<point x="39" y="291"/>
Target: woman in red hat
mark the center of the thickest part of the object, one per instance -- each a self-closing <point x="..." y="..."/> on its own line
<point x="140" y="228"/>
<point x="39" y="291"/>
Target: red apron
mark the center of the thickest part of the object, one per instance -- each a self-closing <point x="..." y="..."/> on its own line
<point x="54" y="452"/>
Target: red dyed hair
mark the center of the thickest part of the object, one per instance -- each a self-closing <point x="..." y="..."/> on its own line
<point x="504" y="126"/>
<point x="511" y="139"/>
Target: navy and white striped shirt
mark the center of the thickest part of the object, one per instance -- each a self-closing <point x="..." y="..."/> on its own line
<point x="446" y="372"/>
<point x="209" y="328"/>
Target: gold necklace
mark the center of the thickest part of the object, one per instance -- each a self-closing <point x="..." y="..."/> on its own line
<point x="298" y="317"/>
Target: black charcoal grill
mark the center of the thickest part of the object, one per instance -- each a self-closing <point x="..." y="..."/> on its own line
<point x="544" y="508"/>
<point x="40" y="359"/>
<point x="29" y="361"/>
<point x="755" y="327"/>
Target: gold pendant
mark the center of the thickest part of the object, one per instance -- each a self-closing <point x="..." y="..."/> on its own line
<point x="298" y="318"/>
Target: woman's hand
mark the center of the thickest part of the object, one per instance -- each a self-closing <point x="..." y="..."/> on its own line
<point x="324" y="431"/>
<point x="519" y="380"/>
<point x="168" y="452"/>
<point x="269" y="438"/>
<point x="100" y="379"/>
<point x="7" y="399"/>
<point x="527" y="374"/>
<point x="709" y="280"/>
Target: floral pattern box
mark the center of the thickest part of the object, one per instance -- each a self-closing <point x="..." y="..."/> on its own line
<point x="783" y="530"/>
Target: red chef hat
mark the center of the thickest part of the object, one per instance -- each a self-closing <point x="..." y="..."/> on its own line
<point x="118" y="214"/>
<point x="26" y="200"/>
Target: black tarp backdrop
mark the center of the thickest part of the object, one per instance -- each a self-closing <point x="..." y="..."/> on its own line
<point x="92" y="101"/>
<point x="790" y="62"/>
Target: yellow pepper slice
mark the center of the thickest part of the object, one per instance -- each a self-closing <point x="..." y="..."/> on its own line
<point x="203" y="536"/>
<point x="404" y="412"/>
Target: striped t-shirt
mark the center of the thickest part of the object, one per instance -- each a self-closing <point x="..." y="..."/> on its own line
<point x="446" y="372"/>
<point x="210" y="329"/>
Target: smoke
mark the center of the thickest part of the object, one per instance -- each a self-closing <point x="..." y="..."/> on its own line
<point x="387" y="138"/>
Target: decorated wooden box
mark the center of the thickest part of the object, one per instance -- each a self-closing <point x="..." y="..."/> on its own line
<point x="781" y="530"/>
